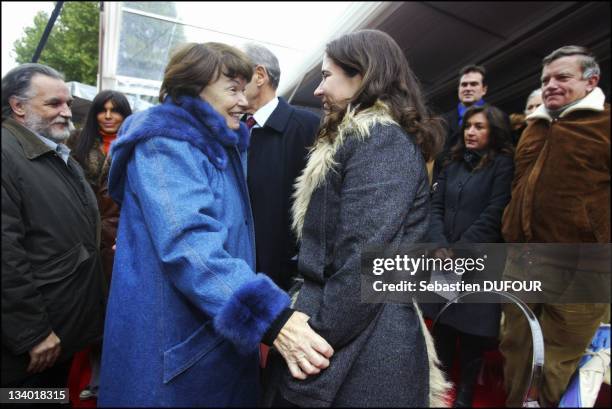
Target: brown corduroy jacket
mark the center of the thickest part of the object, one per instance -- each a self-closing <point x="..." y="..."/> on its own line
<point x="561" y="186"/>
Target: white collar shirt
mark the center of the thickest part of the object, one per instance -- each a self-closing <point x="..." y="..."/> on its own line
<point x="263" y="114"/>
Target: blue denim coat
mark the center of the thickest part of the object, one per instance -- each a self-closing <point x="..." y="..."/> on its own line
<point x="186" y="311"/>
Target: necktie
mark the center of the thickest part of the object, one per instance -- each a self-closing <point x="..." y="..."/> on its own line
<point x="250" y="122"/>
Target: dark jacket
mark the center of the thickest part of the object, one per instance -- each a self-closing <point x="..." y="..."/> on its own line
<point x="95" y="168"/>
<point x="277" y="155"/>
<point x="94" y="162"/>
<point x="367" y="188"/>
<point x="467" y="207"/>
<point x="451" y="124"/>
<point x="109" y="217"/>
<point x="51" y="271"/>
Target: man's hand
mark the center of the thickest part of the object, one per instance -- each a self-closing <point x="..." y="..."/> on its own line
<point x="305" y="351"/>
<point x="44" y="355"/>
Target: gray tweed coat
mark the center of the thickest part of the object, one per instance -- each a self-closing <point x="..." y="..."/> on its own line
<point x="368" y="187"/>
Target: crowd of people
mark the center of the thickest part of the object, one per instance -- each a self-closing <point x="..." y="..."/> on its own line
<point x="208" y="249"/>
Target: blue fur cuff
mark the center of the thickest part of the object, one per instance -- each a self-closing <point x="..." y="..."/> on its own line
<point x="250" y="311"/>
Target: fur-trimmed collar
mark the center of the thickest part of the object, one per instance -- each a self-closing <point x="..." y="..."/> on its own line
<point x="190" y="119"/>
<point x="321" y="156"/>
<point x="593" y="101"/>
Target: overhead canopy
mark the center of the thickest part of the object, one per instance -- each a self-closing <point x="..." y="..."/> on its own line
<point x="508" y="38"/>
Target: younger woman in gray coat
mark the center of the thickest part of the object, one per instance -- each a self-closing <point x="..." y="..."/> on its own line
<point x="365" y="184"/>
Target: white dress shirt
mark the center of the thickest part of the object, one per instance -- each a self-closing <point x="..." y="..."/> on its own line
<point x="263" y="113"/>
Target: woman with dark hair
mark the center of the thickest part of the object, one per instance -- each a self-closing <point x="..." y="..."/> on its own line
<point x="365" y="184"/>
<point x="90" y="147"/>
<point x="186" y="311"/>
<point x="468" y="201"/>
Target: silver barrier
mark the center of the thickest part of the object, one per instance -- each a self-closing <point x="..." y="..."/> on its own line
<point x="533" y="383"/>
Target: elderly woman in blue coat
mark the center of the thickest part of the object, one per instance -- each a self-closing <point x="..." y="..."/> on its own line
<point x="468" y="202"/>
<point x="186" y="311"/>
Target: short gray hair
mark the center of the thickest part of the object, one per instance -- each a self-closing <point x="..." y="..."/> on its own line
<point x="588" y="64"/>
<point x="17" y="83"/>
<point x="262" y="56"/>
<point x="535" y="93"/>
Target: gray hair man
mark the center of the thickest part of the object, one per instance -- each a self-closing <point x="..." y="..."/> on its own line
<point x="280" y="135"/>
<point x="52" y="289"/>
<point x="560" y="194"/>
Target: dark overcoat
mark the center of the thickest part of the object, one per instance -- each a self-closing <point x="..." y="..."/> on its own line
<point x="277" y="155"/>
<point x="452" y="129"/>
<point x="467" y="207"/>
<point x="51" y="272"/>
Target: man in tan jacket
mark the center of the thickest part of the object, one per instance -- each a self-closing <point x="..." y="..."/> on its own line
<point x="560" y="194"/>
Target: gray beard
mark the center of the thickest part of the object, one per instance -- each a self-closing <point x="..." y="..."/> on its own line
<point x="36" y="124"/>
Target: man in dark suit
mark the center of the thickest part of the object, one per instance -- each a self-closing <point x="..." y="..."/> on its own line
<point x="280" y="138"/>
<point x="472" y="88"/>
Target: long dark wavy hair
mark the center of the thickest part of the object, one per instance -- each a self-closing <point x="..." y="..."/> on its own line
<point x="500" y="135"/>
<point x="91" y="129"/>
<point x="386" y="77"/>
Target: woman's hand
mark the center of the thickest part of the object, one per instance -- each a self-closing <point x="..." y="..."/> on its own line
<point x="305" y="351"/>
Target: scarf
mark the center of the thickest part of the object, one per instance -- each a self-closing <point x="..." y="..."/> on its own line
<point x="107" y="138"/>
<point x="462" y="108"/>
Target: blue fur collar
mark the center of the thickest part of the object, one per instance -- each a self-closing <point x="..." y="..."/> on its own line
<point x="189" y="119"/>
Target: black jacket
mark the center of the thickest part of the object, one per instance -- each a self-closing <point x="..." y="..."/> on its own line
<point x="451" y="124"/>
<point x="277" y="155"/>
<point x="467" y="207"/>
<point x="51" y="271"/>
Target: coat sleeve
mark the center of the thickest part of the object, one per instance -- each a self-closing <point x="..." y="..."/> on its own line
<point x="381" y="176"/>
<point x="109" y="210"/>
<point x="436" y="227"/>
<point x="24" y="318"/>
<point x="487" y="227"/>
<point x="173" y="184"/>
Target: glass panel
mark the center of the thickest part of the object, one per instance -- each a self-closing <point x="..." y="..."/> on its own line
<point x="145" y="45"/>
<point x="162" y="8"/>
